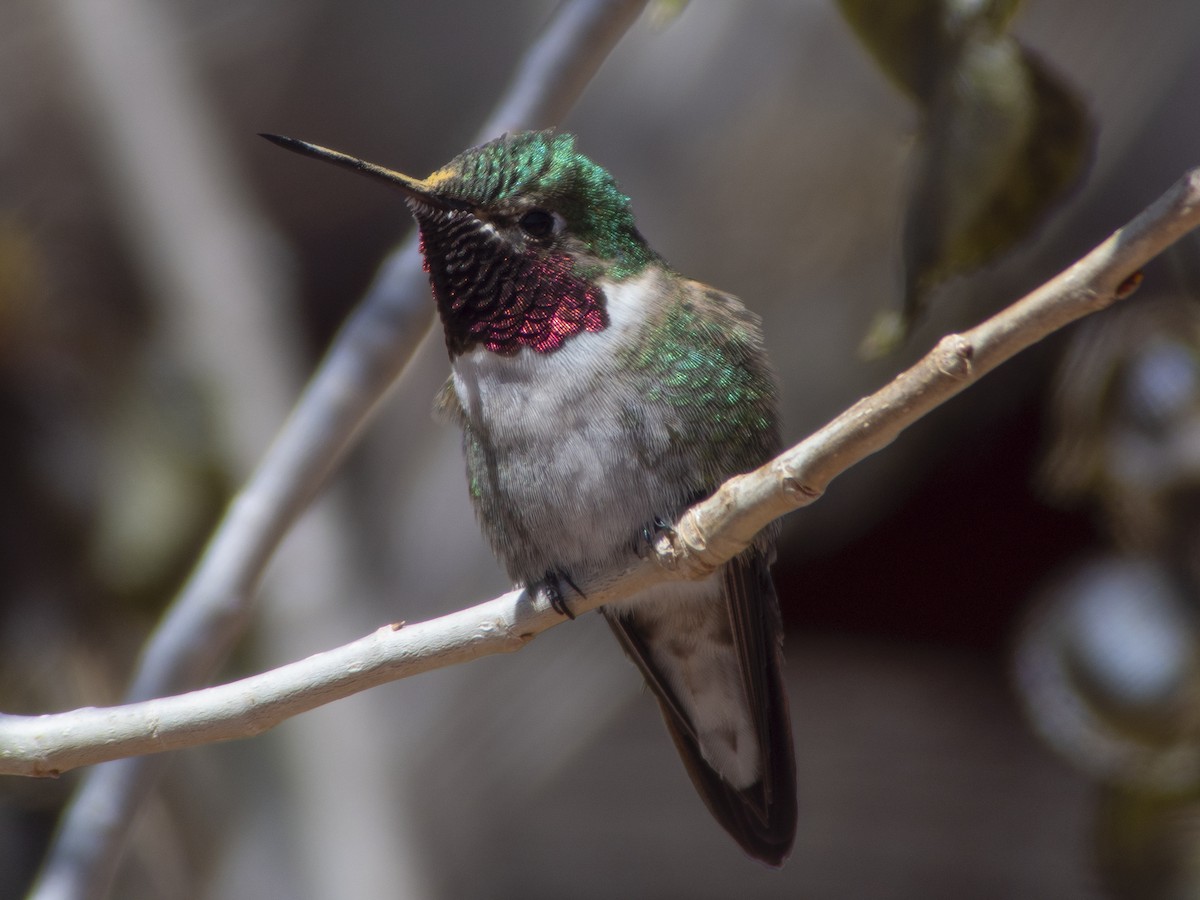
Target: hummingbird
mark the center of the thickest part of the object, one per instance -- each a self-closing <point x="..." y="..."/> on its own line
<point x="600" y="394"/>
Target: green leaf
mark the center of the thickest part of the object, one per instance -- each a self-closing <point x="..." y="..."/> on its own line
<point x="1002" y="139"/>
<point x="1005" y="142"/>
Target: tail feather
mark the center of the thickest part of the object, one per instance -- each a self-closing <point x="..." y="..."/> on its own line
<point x="761" y="815"/>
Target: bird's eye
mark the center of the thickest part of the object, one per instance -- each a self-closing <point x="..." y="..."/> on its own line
<point x="537" y="223"/>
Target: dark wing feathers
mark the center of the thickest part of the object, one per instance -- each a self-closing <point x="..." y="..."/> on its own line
<point x="762" y="817"/>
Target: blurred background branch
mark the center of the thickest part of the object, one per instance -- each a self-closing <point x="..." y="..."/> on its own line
<point x="218" y="273"/>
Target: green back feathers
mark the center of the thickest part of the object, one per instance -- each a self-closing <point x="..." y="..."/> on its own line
<point x="705" y="359"/>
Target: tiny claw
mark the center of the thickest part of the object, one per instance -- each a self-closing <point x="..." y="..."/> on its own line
<point x="554" y="594"/>
<point x="569" y="580"/>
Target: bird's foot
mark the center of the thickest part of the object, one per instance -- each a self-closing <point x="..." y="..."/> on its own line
<point x="551" y="586"/>
<point x="643" y="543"/>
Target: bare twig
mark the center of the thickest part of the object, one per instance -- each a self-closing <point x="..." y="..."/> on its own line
<point x="215" y="605"/>
<point x="707" y="535"/>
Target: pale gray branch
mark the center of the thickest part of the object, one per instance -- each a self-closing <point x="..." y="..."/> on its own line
<point x="707" y="535"/>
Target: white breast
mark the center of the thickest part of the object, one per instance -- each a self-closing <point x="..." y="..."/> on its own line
<point x="556" y="418"/>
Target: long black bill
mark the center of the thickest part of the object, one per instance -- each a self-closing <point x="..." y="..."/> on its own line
<point x="420" y="189"/>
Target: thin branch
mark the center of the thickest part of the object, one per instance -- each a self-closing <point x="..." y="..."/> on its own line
<point x="707" y="535"/>
<point x="215" y="605"/>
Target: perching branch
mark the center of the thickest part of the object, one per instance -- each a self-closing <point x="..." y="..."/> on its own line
<point x="708" y="535"/>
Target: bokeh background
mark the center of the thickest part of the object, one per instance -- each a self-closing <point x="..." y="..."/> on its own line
<point x="991" y="652"/>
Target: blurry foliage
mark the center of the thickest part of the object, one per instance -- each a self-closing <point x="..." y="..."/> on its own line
<point x="1122" y="423"/>
<point x="160" y="491"/>
<point x="1001" y="140"/>
<point x="1110" y="668"/>
<point x="108" y="482"/>
<point x="663" y="12"/>
<point x="22" y="281"/>
<point x="1147" y="843"/>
